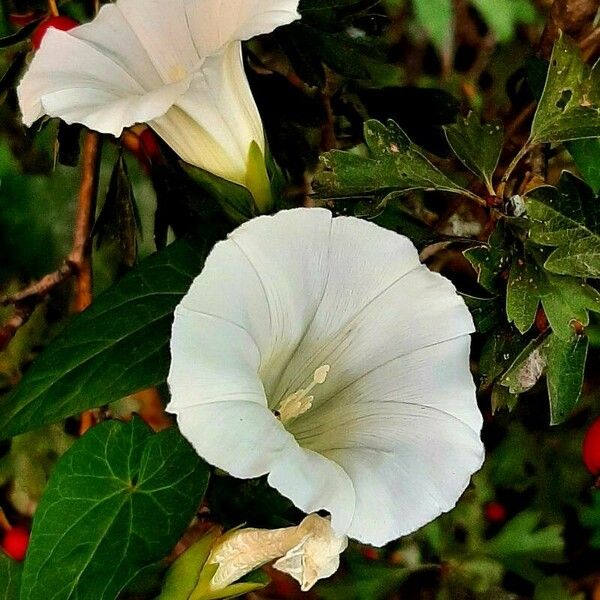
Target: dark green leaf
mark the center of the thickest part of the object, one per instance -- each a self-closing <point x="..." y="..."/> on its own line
<point x="19" y="36"/>
<point x="12" y="75"/>
<point x="586" y="154"/>
<point x="117" y="501"/>
<point x="569" y="108"/>
<point x="392" y="162"/>
<point x="477" y="146"/>
<point x="498" y="353"/>
<point x="565" y="371"/>
<point x="566" y="300"/>
<point x="485" y="312"/>
<point x="493" y="260"/>
<point x="115" y="348"/>
<point x="567" y="217"/>
<point x="10" y="577"/>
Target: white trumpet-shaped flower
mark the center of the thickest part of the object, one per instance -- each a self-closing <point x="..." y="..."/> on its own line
<point x="174" y="64"/>
<point x="319" y="351"/>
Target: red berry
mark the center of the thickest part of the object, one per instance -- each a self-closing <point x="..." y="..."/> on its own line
<point x="62" y="23"/>
<point x="591" y="448"/>
<point x="495" y="512"/>
<point x="15" y="542"/>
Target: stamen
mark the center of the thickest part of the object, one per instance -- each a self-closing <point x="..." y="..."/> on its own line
<point x="299" y="402"/>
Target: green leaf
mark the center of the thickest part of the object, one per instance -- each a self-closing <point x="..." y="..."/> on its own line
<point x="477" y="146"/>
<point x="586" y="154"/>
<point x="563" y="362"/>
<point x="567" y="217"/>
<point x="554" y="588"/>
<point x="492" y="260"/>
<point x="565" y="372"/>
<point x="392" y="162"/>
<point x="436" y="17"/>
<point x="565" y="300"/>
<point x="504" y="22"/>
<point x="10" y="577"/>
<point x="115" y="348"/>
<point x="19" y="36"/>
<point x="590" y="518"/>
<point x="117" y="502"/>
<point x="521" y="543"/>
<point x="569" y="108"/>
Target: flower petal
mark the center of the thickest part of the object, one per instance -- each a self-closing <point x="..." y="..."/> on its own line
<point x="313" y="482"/>
<point x="215" y="23"/>
<point x="255" y="280"/>
<point x="379" y="303"/>
<point x="163" y="30"/>
<point x="407" y="434"/>
<point x="215" y="122"/>
<point x="71" y="79"/>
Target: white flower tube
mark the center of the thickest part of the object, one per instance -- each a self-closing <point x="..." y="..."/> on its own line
<point x="319" y="351"/>
<point x="174" y="64"/>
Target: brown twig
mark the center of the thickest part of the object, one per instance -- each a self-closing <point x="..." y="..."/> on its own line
<point x="53" y="8"/>
<point x="80" y="255"/>
<point x="21" y="315"/>
<point x="78" y="263"/>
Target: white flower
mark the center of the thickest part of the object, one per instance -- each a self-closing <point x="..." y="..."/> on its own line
<point x="174" y="64"/>
<point x="308" y="552"/>
<point x="319" y="351"/>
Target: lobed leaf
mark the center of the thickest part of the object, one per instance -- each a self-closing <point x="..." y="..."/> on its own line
<point x="477" y="146"/>
<point x="569" y="108"/>
<point x="392" y="162"/>
<point x="567" y="217"/>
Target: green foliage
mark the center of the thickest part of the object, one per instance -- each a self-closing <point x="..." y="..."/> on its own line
<point x="565" y="300"/>
<point x="392" y="162"/>
<point x="567" y="217"/>
<point x="90" y="364"/>
<point x="569" y="108"/>
<point x="122" y="496"/>
<point x="477" y="146"/>
<point x="10" y="578"/>
<point x="503" y="21"/>
<point x="522" y="543"/>
<point x="586" y="154"/>
<point x="437" y="18"/>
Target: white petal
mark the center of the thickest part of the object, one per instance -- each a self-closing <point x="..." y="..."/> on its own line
<point x="413" y="424"/>
<point x="163" y="30"/>
<point x="213" y="125"/>
<point x="70" y="79"/>
<point x="256" y="280"/>
<point x="379" y="303"/>
<point x="313" y="482"/>
<point x="215" y="23"/>
<point x="111" y="35"/>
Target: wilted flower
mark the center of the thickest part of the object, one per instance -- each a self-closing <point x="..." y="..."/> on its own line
<point x="308" y="552"/>
<point x="319" y="351"/>
<point x="174" y="64"/>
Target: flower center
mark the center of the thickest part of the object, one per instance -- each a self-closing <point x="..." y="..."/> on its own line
<point x="299" y="402"/>
<point x="177" y="73"/>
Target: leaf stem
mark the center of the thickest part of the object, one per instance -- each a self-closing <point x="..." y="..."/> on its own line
<point x="511" y="167"/>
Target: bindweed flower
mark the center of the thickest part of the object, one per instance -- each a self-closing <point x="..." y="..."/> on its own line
<point x="319" y="351"/>
<point x="174" y="64"/>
